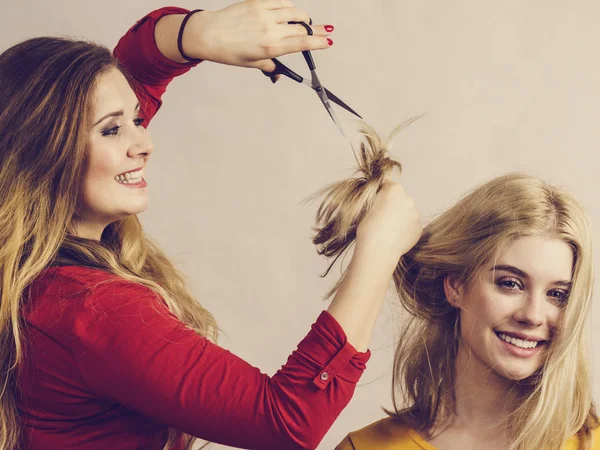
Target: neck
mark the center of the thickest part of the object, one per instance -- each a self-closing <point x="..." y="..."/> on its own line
<point x="88" y="230"/>
<point x="483" y="398"/>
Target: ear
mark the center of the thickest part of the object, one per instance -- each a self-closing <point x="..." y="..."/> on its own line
<point x="453" y="289"/>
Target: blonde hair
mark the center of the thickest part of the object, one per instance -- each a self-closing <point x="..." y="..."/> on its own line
<point x="47" y="89"/>
<point x="555" y="402"/>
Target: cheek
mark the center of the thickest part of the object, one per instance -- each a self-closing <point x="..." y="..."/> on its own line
<point x="555" y="317"/>
<point x="94" y="180"/>
<point x="104" y="162"/>
<point x="101" y="167"/>
<point x="485" y="308"/>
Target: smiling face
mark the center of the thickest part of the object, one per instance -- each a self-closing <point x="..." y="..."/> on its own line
<point x="117" y="153"/>
<point x="517" y="298"/>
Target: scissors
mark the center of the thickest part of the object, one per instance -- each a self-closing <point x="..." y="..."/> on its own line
<point x="314" y="83"/>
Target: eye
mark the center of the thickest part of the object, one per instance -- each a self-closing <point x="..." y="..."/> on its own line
<point x="510" y="284"/>
<point x="114" y="131"/>
<point x="558" y="295"/>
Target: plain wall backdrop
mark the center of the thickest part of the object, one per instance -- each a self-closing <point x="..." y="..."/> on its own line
<point x="505" y="86"/>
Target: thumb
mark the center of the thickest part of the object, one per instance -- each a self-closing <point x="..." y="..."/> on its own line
<point x="266" y="65"/>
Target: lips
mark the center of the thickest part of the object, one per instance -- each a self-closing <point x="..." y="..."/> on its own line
<point x="523" y="337"/>
<point x="130" y="171"/>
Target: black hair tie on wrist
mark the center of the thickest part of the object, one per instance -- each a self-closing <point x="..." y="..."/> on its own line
<point x="180" y="36"/>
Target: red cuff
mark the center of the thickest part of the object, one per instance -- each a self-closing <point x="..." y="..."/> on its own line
<point x="330" y="350"/>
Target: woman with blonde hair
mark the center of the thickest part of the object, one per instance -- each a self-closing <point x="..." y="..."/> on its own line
<point x="498" y="290"/>
<point x="103" y="346"/>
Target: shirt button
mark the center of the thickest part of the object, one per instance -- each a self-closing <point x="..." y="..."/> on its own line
<point x="325" y="376"/>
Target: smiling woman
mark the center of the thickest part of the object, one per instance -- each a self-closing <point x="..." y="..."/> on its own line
<point x="511" y="310"/>
<point x="103" y="345"/>
<point x="118" y="149"/>
<point x="498" y="289"/>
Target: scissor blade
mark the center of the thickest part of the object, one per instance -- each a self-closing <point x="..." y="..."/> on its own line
<point x="307" y="82"/>
<point x="334" y="118"/>
<point x="322" y="93"/>
<point x="331" y="96"/>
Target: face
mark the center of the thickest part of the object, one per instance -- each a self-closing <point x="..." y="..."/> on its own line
<point x="510" y="312"/>
<point x="118" y="151"/>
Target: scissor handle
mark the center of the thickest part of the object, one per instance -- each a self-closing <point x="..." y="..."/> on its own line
<point x="282" y="69"/>
<point x="307" y="56"/>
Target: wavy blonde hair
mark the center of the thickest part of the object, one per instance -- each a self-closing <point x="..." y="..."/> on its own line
<point x="556" y="402"/>
<point x="47" y="88"/>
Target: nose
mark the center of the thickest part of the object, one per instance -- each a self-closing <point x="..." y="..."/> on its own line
<point x="141" y="143"/>
<point x="531" y="311"/>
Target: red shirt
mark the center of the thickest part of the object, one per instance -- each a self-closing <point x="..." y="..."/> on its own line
<point x="108" y="366"/>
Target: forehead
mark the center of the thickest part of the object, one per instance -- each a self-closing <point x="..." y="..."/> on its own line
<point x="543" y="257"/>
<point x="112" y="93"/>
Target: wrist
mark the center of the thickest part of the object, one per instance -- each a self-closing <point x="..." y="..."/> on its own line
<point x="196" y="39"/>
<point x="372" y="269"/>
<point x="382" y="259"/>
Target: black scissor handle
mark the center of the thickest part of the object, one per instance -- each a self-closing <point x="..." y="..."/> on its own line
<point x="307" y="56"/>
<point x="282" y="69"/>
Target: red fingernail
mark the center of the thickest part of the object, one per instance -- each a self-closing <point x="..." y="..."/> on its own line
<point x="329" y="41"/>
<point x="329" y="28"/>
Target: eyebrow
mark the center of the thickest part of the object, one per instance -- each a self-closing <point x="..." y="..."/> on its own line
<point x="116" y="114"/>
<point x="523" y="274"/>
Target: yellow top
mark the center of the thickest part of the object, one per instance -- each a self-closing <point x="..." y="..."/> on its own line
<point x="386" y="434"/>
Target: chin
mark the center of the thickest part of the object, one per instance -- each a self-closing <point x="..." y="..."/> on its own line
<point x="131" y="213"/>
<point x="136" y="212"/>
<point x="125" y="214"/>
<point x="137" y="209"/>
<point x="515" y="373"/>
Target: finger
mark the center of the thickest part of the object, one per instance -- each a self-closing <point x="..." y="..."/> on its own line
<point x="291" y="30"/>
<point x="266" y="65"/>
<point x="275" y="4"/>
<point x="303" y="43"/>
<point x="321" y="30"/>
<point x="285" y="15"/>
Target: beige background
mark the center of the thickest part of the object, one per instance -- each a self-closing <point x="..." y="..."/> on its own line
<point x="505" y="86"/>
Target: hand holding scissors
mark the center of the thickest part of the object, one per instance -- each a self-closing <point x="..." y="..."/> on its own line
<point x="324" y="95"/>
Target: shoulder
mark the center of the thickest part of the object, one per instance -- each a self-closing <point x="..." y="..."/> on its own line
<point x="573" y="442"/>
<point x="385" y="434"/>
<point x="69" y="281"/>
<point x="84" y="290"/>
<point x="596" y="439"/>
<point x="596" y="443"/>
<point x="75" y="277"/>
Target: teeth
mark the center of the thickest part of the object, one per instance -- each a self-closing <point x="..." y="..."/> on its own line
<point x="130" y="177"/>
<point x="518" y="342"/>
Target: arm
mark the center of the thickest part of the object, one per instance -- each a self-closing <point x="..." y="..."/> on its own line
<point x="387" y="232"/>
<point x="244" y="34"/>
<point x="360" y="295"/>
<point x="150" y="71"/>
<point x="132" y="350"/>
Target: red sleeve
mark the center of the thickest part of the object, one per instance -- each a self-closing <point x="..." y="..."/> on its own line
<point x="152" y="72"/>
<point x="133" y="350"/>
